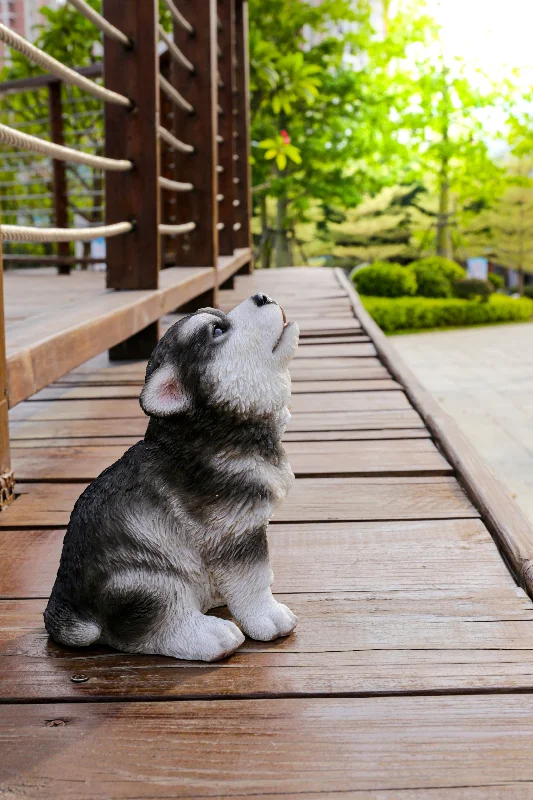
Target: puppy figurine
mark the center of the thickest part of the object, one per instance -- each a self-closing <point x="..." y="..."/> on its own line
<point x="178" y="525"/>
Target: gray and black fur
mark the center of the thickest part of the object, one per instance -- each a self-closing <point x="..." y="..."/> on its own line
<point x="178" y="524"/>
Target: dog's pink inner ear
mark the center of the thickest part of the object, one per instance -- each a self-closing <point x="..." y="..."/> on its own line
<point x="162" y="394"/>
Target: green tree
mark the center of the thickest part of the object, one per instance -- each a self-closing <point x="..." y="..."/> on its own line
<point x="338" y="114"/>
<point x="379" y="228"/>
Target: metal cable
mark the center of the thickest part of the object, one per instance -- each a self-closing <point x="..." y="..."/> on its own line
<point x="174" y="50"/>
<point x="22" y="233"/>
<point x="173" y="142"/>
<point x="175" y="186"/>
<point x="101" y="23"/>
<point x="12" y="39"/>
<point x="174" y="95"/>
<point x="15" y="138"/>
<point x="178" y="17"/>
<point x="172" y="230"/>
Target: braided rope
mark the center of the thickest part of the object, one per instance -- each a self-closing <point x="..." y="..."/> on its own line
<point x="220" y="226"/>
<point x="174" y="95"/>
<point x="173" y="142"/>
<point x="100" y="22"/>
<point x="175" y="186"/>
<point x="178" y="17"/>
<point x="172" y="230"/>
<point x="237" y="226"/>
<point x="15" y="138"/>
<point x="174" y="50"/>
<point x="12" y="39"/>
<point x="22" y="233"/>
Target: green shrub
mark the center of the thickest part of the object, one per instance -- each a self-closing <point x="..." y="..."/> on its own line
<point x="528" y="291"/>
<point x="444" y="266"/>
<point x="422" y="312"/>
<point x="497" y="280"/>
<point x="382" y="279"/>
<point x="471" y="288"/>
<point x="431" y="282"/>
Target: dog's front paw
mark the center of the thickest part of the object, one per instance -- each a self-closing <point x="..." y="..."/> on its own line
<point x="269" y="622"/>
<point x="206" y="639"/>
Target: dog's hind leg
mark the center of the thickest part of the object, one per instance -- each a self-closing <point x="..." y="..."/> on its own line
<point x="161" y="614"/>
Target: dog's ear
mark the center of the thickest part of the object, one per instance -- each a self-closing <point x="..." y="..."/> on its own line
<point x="162" y="394"/>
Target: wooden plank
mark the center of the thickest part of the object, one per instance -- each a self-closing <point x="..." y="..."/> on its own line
<point x="42" y="351"/>
<point x="136" y="426"/>
<point x="55" y="118"/>
<point x="333" y="350"/>
<point x="311" y="499"/>
<point x="509" y="526"/>
<point x="199" y="129"/>
<point x="227" y="152"/>
<point x="133" y="260"/>
<point x="338" y="557"/>
<point x="6" y="473"/>
<point x="243" y="236"/>
<point x="88" y="391"/>
<point x="392" y="458"/>
<point x="114" y="408"/>
<point x="217" y="748"/>
<point x="307" y="369"/>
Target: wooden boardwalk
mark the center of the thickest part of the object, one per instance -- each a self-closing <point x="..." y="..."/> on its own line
<point x="410" y="675"/>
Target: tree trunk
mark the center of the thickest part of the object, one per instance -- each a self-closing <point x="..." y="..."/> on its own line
<point x="282" y="248"/>
<point x="444" y="239"/>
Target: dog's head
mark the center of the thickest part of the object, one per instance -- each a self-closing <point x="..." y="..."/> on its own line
<point x="236" y="362"/>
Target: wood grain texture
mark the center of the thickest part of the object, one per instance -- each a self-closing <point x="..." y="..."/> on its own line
<point x="311" y="499"/>
<point x="232" y="748"/>
<point x="510" y="528"/>
<point x="128" y="408"/>
<point x="355" y="458"/>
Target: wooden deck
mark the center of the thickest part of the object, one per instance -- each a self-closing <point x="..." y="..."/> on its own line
<point x="410" y="675"/>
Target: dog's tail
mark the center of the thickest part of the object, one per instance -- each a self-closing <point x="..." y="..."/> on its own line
<point x="69" y="628"/>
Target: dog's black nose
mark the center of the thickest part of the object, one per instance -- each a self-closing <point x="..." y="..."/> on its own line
<point x="262" y="300"/>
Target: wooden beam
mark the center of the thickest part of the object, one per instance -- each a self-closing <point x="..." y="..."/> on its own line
<point x="511" y="530"/>
<point x="243" y="236"/>
<point x="227" y="153"/>
<point x="55" y="114"/>
<point x="7" y="480"/>
<point x="199" y="129"/>
<point x="133" y="260"/>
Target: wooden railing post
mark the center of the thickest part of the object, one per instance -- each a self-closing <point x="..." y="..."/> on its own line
<point x="133" y="260"/>
<point x="228" y="195"/>
<point x="199" y="248"/>
<point x="7" y="480"/>
<point x="243" y="236"/>
<point x="55" y="116"/>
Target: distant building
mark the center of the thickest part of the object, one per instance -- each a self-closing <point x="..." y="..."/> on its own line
<point x="21" y="16"/>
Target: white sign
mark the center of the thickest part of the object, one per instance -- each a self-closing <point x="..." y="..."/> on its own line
<point x="477" y="268"/>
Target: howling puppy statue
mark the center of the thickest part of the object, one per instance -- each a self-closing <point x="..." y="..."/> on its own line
<point x="178" y="525"/>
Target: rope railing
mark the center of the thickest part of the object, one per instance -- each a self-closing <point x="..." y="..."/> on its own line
<point x="178" y="17"/>
<point x="174" y="230"/>
<point x="174" y="50"/>
<point x="66" y="74"/>
<point x="22" y="233"/>
<point x="170" y="139"/>
<point x="174" y="95"/>
<point x="15" y="138"/>
<point x="175" y="186"/>
<point x="100" y="22"/>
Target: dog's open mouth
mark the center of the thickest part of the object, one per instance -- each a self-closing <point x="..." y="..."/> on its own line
<point x="285" y="325"/>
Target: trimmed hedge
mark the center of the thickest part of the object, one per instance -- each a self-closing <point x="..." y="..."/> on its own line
<point x="528" y="291"/>
<point x="382" y="279"/>
<point x="444" y="266"/>
<point x="431" y="282"/>
<point x="423" y="312"/>
<point x="471" y="288"/>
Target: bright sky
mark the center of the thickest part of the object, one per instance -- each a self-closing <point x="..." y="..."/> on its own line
<point x="495" y="35"/>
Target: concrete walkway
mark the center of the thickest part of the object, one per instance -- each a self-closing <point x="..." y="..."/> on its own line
<point x="483" y="377"/>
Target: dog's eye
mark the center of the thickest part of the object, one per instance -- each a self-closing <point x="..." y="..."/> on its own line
<point x="217" y="331"/>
